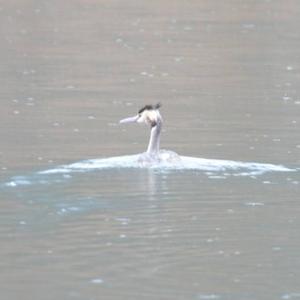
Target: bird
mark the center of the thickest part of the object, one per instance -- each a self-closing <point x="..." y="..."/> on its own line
<point x="160" y="159"/>
<point x="150" y="115"/>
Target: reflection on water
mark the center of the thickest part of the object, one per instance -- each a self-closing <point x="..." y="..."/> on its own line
<point x="76" y="227"/>
<point x="143" y="233"/>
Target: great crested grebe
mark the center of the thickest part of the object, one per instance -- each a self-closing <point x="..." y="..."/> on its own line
<point x="155" y="158"/>
<point x="150" y="115"/>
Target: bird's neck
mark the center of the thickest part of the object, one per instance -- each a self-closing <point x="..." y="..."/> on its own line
<point x="153" y="147"/>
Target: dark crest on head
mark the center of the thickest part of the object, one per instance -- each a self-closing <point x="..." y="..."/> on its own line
<point x="150" y="107"/>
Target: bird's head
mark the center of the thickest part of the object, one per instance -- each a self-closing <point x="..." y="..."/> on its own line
<point x="149" y="115"/>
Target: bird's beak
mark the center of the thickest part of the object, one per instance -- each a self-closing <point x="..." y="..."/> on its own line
<point x="130" y="120"/>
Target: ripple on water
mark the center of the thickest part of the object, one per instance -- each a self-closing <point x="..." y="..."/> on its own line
<point x="290" y="296"/>
<point x="255" y="204"/>
<point x="97" y="280"/>
<point x="208" y="296"/>
<point x="18" y="181"/>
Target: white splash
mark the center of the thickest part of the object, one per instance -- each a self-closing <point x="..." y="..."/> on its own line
<point x="169" y="160"/>
<point x="165" y="161"/>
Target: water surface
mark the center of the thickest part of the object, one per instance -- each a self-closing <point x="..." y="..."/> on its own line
<point x="227" y="75"/>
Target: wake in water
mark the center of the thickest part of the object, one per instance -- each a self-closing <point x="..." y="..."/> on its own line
<point x="154" y="158"/>
<point x="167" y="162"/>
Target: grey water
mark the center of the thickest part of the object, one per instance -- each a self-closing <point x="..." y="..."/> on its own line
<point x="75" y="223"/>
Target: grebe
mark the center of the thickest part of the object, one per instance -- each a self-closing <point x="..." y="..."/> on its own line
<point x="155" y="158"/>
<point x="151" y="116"/>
